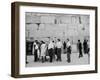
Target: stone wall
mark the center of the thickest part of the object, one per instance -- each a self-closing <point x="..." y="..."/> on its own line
<point x="63" y="26"/>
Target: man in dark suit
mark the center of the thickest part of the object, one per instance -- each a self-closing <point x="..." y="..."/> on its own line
<point x="85" y="47"/>
<point x="68" y="51"/>
<point x="80" y="49"/>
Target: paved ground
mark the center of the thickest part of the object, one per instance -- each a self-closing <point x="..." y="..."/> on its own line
<point x="75" y="60"/>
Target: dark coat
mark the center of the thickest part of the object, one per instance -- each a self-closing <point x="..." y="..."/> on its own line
<point x="69" y="49"/>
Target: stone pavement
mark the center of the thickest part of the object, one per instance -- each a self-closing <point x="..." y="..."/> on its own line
<point x="75" y="60"/>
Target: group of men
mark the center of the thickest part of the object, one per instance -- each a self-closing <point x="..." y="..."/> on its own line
<point x="42" y="50"/>
<point x="85" y="48"/>
<point x="49" y="51"/>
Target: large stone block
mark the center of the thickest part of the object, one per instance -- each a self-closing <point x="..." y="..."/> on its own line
<point x="47" y="19"/>
<point x="65" y="20"/>
<point x="32" y="18"/>
<point x="85" y="19"/>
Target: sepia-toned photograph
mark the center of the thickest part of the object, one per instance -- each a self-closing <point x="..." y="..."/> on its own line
<point x="57" y="39"/>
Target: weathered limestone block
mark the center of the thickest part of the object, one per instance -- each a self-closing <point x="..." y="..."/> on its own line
<point x="85" y="19"/>
<point x="31" y="26"/>
<point x="75" y="19"/>
<point x="65" y="20"/>
<point x="32" y="19"/>
<point x="47" y="19"/>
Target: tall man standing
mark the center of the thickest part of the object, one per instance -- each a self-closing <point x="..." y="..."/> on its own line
<point x="36" y="50"/>
<point x="85" y="46"/>
<point x="80" y="49"/>
<point x="59" y="48"/>
<point x="68" y="51"/>
<point x="50" y="50"/>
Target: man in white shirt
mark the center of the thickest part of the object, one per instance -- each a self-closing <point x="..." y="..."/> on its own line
<point x="50" y="50"/>
<point x="51" y="45"/>
<point x="59" y="48"/>
<point x="35" y="50"/>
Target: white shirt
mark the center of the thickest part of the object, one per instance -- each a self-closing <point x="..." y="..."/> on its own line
<point x="68" y="44"/>
<point x="58" y="44"/>
<point x="36" y="46"/>
<point x="51" y="45"/>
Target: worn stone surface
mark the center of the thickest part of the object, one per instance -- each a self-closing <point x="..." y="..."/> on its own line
<point x="74" y="27"/>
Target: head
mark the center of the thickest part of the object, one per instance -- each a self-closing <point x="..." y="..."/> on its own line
<point x="67" y="39"/>
<point x="78" y="40"/>
<point x="84" y="40"/>
<point x="35" y="41"/>
<point x="53" y="41"/>
<point x="58" y="39"/>
<point x="41" y="42"/>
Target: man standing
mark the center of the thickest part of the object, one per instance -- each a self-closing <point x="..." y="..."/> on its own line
<point x="59" y="47"/>
<point x="50" y="50"/>
<point x="43" y="51"/>
<point x="68" y="51"/>
<point x="85" y="46"/>
<point x="88" y="47"/>
<point x="64" y="47"/>
<point x="80" y="49"/>
<point x="36" y="48"/>
<point x="53" y="50"/>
